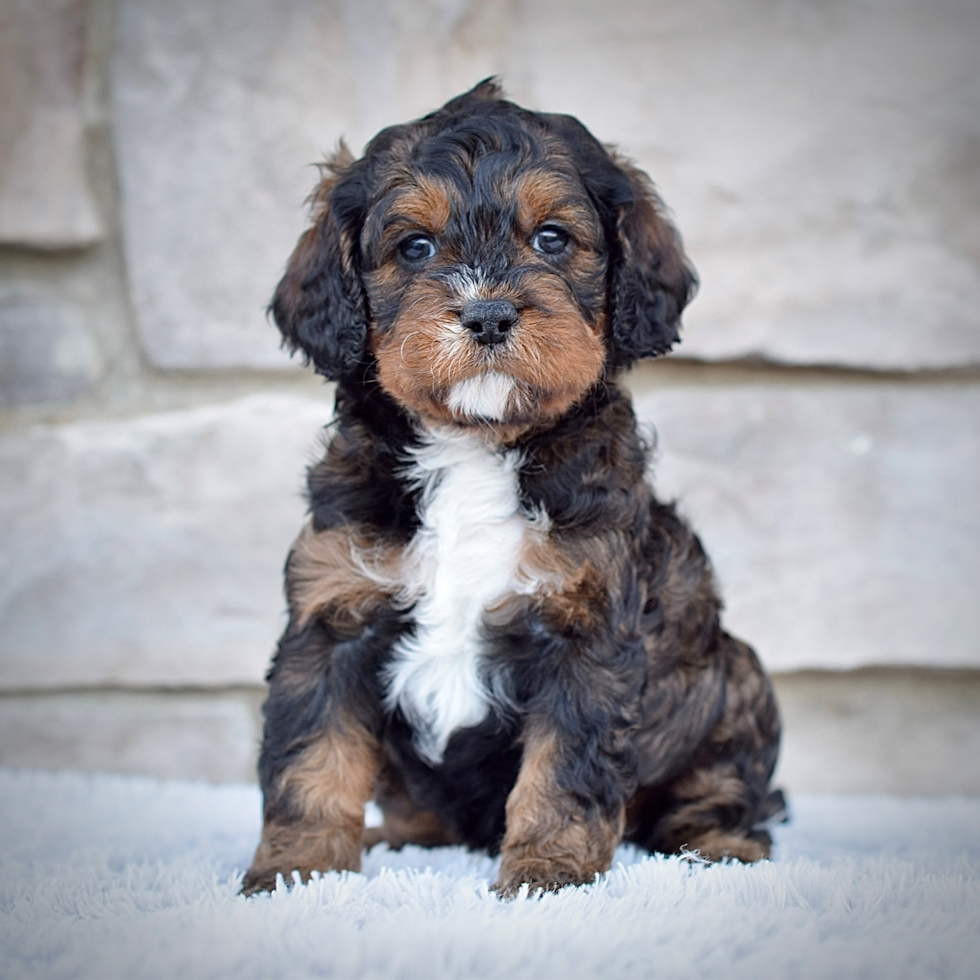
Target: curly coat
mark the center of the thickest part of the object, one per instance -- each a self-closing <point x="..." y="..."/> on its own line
<point x="593" y="696"/>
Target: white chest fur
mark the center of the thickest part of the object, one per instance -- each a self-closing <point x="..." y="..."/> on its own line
<point x="465" y="556"/>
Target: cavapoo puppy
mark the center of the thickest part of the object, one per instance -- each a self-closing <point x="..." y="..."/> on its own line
<point x="495" y="628"/>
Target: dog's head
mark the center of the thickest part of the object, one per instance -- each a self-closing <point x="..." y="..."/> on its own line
<point x="487" y="263"/>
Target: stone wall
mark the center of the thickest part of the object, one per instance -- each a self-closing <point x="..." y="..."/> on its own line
<point x="819" y="424"/>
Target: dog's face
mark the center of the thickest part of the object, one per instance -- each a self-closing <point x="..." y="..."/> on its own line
<point x="486" y="284"/>
<point x="486" y="264"/>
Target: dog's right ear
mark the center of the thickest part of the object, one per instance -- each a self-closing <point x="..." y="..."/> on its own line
<point x="319" y="305"/>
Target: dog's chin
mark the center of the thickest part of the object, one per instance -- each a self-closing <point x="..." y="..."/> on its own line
<point x="495" y="401"/>
<point x="488" y="397"/>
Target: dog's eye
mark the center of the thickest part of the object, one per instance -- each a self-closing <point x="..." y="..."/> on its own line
<point x="550" y="240"/>
<point x="417" y="248"/>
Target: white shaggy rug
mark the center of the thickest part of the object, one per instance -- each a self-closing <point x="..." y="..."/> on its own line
<point x="109" y="876"/>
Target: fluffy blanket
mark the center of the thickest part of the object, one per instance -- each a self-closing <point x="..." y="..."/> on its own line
<point x="109" y="876"/>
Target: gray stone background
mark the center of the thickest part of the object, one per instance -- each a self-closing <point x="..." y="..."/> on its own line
<point x="820" y="424"/>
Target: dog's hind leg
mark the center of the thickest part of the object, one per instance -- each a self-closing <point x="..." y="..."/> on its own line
<point x="709" y="812"/>
<point x="718" y="804"/>
<point x="404" y="821"/>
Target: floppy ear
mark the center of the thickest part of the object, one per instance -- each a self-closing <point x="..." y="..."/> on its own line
<point x="319" y="304"/>
<point x="652" y="280"/>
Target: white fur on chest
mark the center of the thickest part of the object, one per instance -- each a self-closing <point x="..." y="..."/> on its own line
<point x="465" y="557"/>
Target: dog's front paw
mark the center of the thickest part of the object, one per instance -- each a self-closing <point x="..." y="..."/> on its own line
<point x="540" y="876"/>
<point x="291" y="849"/>
<point x="258" y="881"/>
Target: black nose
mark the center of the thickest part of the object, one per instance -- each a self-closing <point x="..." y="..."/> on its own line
<point x="489" y="319"/>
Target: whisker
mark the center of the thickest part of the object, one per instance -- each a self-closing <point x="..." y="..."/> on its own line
<point x="401" y="351"/>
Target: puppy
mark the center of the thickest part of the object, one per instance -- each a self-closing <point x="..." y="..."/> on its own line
<point x="495" y="629"/>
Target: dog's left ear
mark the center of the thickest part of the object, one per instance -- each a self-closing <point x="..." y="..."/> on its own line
<point x="319" y="304"/>
<point x="651" y="278"/>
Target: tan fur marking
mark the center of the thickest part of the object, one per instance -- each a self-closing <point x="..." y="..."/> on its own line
<point x="539" y="194"/>
<point x="424" y="352"/>
<point x="421" y="828"/>
<point x="573" y="596"/>
<point x="557" y="353"/>
<point x="580" y="605"/>
<point x="340" y="576"/>
<point x="405" y="823"/>
<point x="543" y="561"/>
<point x="427" y="203"/>
<point x="327" y="787"/>
<point x="716" y="845"/>
<point x="549" y="195"/>
<point x="334" y="777"/>
<point x="549" y="843"/>
<point x="385" y="279"/>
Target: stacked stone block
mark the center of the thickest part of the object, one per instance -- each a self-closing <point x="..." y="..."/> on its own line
<point x="819" y="424"/>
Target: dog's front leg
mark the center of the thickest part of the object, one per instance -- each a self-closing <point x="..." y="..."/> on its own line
<point x="320" y="755"/>
<point x="314" y="807"/>
<point x="553" y="837"/>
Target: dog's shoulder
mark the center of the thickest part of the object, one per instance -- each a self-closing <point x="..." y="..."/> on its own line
<point x="588" y="471"/>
